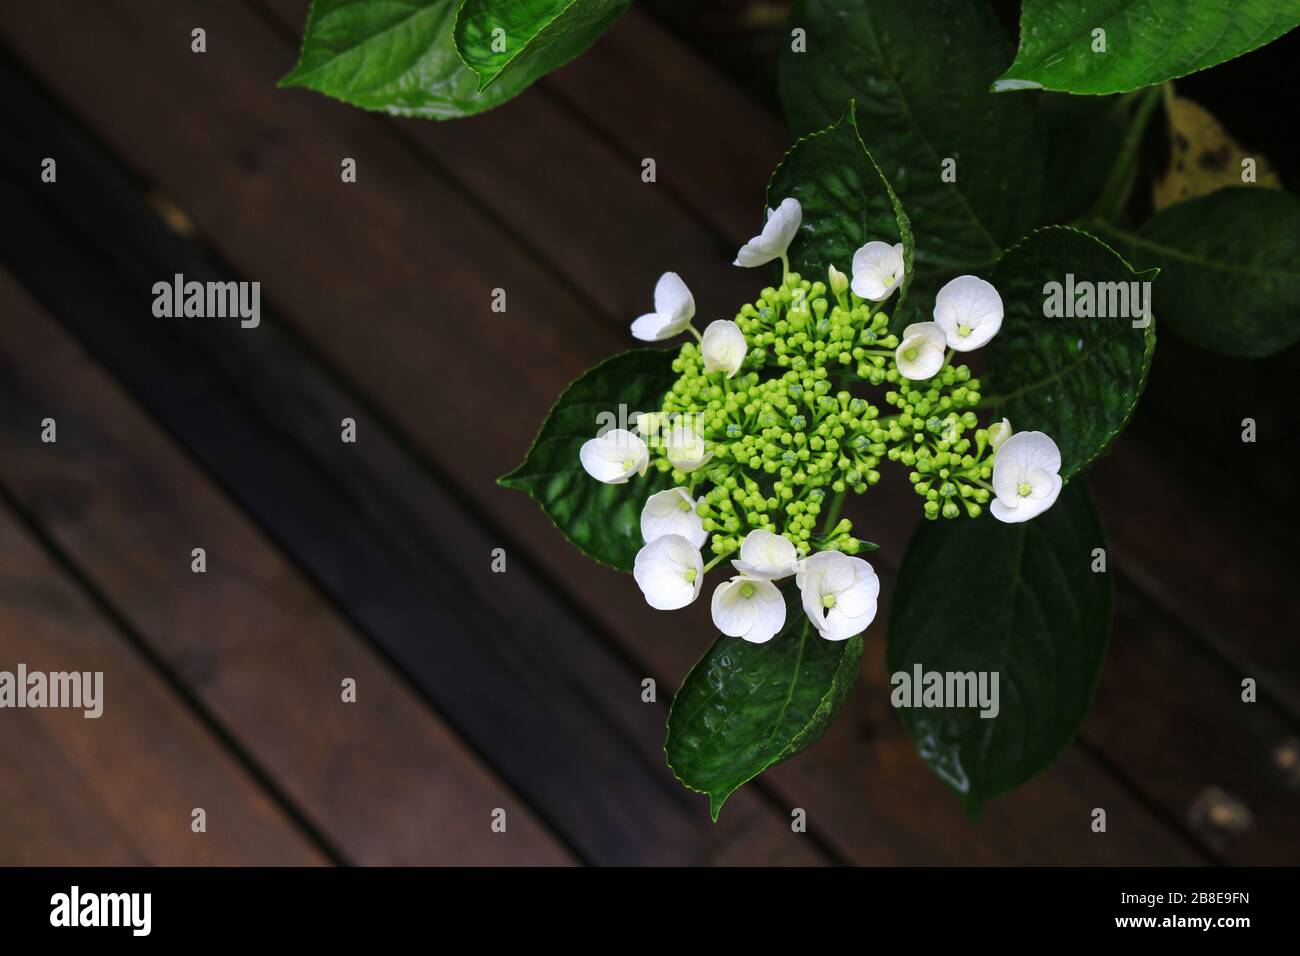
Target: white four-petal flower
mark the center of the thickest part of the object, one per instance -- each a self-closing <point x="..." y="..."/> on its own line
<point x="723" y="347"/>
<point x="767" y="555"/>
<point x="839" y="594"/>
<point x="670" y="572"/>
<point x="1025" y="477"/>
<point x="749" y="608"/>
<point x="778" y="232"/>
<point x="685" y="447"/>
<point x="674" y="309"/>
<point x="673" y="512"/>
<point x="615" y="456"/>
<point x="969" y="310"/>
<point x="920" y="354"/>
<point x="877" y="270"/>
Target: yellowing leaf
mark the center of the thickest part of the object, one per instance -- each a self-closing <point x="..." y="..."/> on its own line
<point x="1203" y="157"/>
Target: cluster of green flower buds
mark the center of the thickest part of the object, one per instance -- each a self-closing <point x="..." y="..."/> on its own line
<point x="785" y="434"/>
<point x="763" y="434"/>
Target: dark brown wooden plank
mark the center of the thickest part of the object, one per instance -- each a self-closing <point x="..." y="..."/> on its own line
<point x="52" y="816"/>
<point x="1259" y="389"/>
<point x="715" y="147"/>
<point x="384" y="778"/>
<point x="1208" y="552"/>
<point x="577" y="201"/>
<point x="140" y="768"/>
<point x="1173" y="719"/>
<point x="542" y="697"/>
<point x="274" y="217"/>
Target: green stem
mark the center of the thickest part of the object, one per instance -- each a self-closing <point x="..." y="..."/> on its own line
<point x="833" y="514"/>
<point x="1118" y="187"/>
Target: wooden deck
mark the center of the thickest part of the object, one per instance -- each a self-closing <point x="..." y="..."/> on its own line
<point x="372" y="561"/>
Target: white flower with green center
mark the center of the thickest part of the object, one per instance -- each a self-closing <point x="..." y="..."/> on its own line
<point x="615" y="456"/>
<point x="673" y="512"/>
<point x="767" y="555"/>
<point x="1025" y="477"/>
<point x="839" y="594"/>
<point x="773" y="242"/>
<point x="670" y="572"/>
<point x="723" y="347"/>
<point x="877" y="270"/>
<point x="969" y="310"/>
<point x="674" y="309"/>
<point x="749" y="608"/>
<point x="685" y="447"/>
<point x="920" y="354"/>
<point x="999" y="432"/>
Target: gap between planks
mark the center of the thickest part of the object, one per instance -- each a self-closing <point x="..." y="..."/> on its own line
<point x="661" y="658"/>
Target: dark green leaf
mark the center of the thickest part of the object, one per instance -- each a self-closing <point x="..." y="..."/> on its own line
<point x="1084" y="136"/>
<point x="920" y="73"/>
<point x="1230" y="268"/>
<point x="1020" y="600"/>
<point x="1077" y="379"/>
<point x="846" y="201"/>
<point x="394" y="57"/>
<point x="522" y="40"/>
<point x="1145" y="41"/>
<point x="746" y="707"/>
<point x="603" y="521"/>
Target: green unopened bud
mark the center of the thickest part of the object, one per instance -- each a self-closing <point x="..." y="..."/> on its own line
<point x="998" y="433"/>
<point x="839" y="282"/>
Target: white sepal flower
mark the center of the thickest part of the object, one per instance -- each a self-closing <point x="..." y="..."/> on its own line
<point x="674" y="309"/>
<point x="723" y="347"/>
<point x="673" y="512"/>
<point x="774" y="240"/>
<point x="767" y="555"/>
<point x="615" y="456"/>
<point x="839" y="594"/>
<point x="969" y="310"/>
<point x="920" y="354"/>
<point x="1025" y="477"/>
<point x="670" y="572"/>
<point x="685" y="447"/>
<point x="749" y="608"/>
<point x="999" y="432"/>
<point x="877" y="270"/>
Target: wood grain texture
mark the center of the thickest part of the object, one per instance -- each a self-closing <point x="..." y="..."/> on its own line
<point x="538" y="692"/>
<point x="120" y="788"/>
<point x="259" y="172"/>
<point x="573" y="198"/>
<point x="275" y="214"/>
<point x="386" y="780"/>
